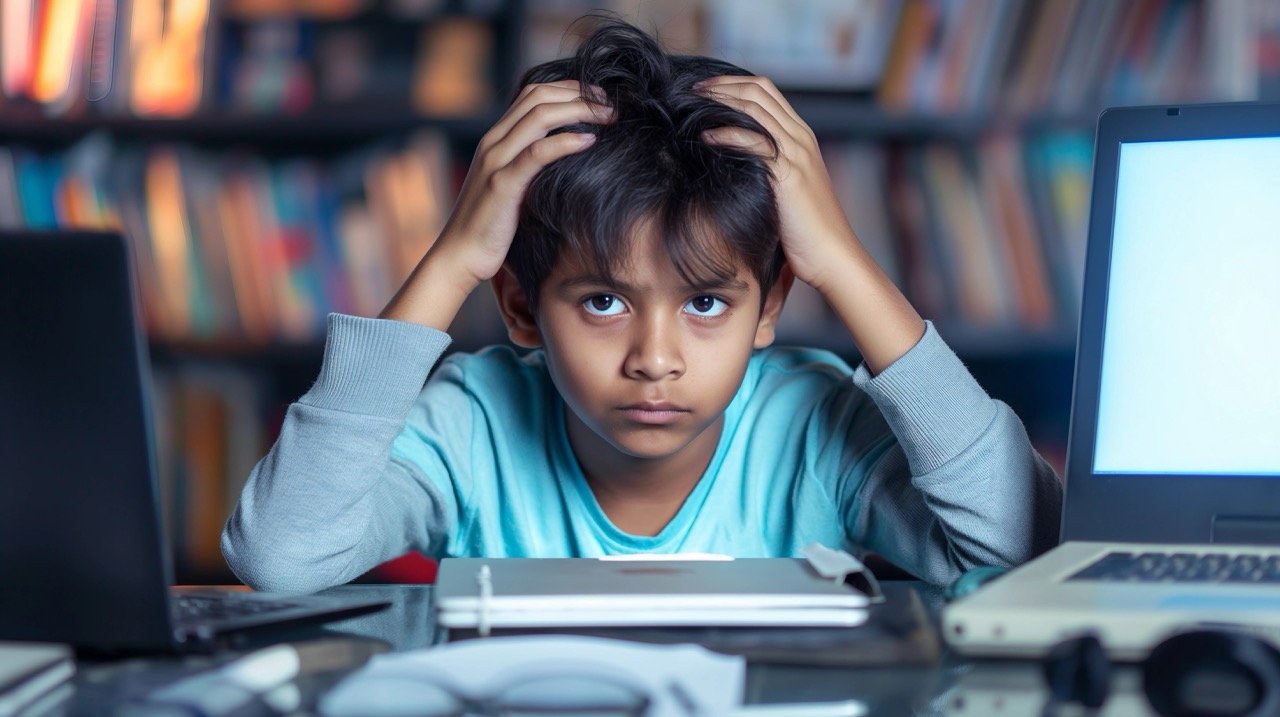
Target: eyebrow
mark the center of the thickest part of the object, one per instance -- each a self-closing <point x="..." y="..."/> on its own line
<point x="592" y="280"/>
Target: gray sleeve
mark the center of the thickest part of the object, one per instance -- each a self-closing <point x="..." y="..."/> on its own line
<point x="963" y="486"/>
<point x="328" y="503"/>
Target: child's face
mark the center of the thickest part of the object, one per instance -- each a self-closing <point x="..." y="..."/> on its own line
<point x="645" y="363"/>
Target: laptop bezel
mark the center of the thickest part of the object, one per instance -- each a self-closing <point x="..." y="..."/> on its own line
<point x="1152" y="507"/>
<point x="98" y="577"/>
<point x="88" y="571"/>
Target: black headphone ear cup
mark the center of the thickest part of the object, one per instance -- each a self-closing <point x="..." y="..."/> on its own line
<point x="1204" y="673"/>
<point x="1078" y="672"/>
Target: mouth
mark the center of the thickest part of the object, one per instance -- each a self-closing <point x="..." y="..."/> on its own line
<point x="654" y="413"/>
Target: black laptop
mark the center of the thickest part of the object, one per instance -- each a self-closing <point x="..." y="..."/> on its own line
<point x="83" y="559"/>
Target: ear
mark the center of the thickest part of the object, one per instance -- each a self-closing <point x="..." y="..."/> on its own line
<point x="522" y="324"/>
<point x="772" y="309"/>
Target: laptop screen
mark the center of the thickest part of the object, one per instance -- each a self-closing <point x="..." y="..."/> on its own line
<point x="1176" y="405"/>
<point x="1190" y="374"/>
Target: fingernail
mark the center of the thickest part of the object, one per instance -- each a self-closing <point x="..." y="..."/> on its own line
<point x="586" y="138"/>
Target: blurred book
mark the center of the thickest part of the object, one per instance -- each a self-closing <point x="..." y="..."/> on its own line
<point x="234" y="246"/>
<point x="64" y="34"/>
<point x="453" y="68"/>
<point x="1059" y="176"/>
<point x="858" y="176"/>
<point x="1267" y="57"/>
<point x="817" y="45"/>
<point x="215" y="431"/>
<point x="167" y="61"/>
<point x="265" y="66"/>
<point x="178" y="58"/>
<point x="1002" y="180"/>
<point x="1072" y="56"/>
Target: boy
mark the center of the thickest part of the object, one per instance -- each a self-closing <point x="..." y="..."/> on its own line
<point x="641" y="217"/>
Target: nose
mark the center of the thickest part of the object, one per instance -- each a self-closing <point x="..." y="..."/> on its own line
<point x="654" y="353"/>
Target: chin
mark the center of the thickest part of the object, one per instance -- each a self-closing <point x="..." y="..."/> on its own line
<point x="650" y="443"/>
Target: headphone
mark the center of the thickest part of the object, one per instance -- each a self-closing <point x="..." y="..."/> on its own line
<point x="1201" y="673"/>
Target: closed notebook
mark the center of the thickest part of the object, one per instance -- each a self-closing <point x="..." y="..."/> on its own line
<point x="30" y="670"/>
<point x="583" y="592"/>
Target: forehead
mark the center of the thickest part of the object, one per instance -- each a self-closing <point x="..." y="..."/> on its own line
<point x="691" y="256"/>
<point x="643" y="259"/>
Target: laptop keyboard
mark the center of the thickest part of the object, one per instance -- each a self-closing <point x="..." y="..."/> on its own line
<point x="1184" y="568"/>
<point x="214" y="608"/>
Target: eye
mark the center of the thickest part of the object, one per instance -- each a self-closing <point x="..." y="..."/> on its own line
<point x="706" y="305"/>
<point x="603" y="305"/>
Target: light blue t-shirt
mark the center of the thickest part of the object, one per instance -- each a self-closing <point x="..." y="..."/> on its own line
<point x="488" y="435"/>
<point x="916" y="463"/>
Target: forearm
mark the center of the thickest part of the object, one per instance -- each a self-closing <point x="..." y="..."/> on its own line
<point x="306" y="518"/>
<point x="434" y="291"/>
<point x="996" y="503"/>
<point x="882" y="322"/>
<point x="964" y="487"/>
<point x="320" y="508"/>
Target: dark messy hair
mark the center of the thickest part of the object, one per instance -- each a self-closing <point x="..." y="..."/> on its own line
<point x="712" y="206"/>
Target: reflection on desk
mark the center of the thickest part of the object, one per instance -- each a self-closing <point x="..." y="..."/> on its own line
<point x="917" y="690"/>
<point x="1008" y="688"/>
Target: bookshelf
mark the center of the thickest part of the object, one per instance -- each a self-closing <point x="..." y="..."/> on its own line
<point x="286" y="158"/>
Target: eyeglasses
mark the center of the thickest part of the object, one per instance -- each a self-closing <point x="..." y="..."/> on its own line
<point x="1228" y="673"/>
<point x="579" y="690"/>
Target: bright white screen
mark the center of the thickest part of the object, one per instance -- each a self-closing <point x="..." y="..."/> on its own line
<point x="1191" y="360"/>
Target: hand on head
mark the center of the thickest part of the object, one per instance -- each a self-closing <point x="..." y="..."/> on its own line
<point x="474" y="242"/>
<point x="815" y="232"/>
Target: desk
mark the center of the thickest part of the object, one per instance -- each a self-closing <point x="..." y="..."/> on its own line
<point x="953" y="686"/>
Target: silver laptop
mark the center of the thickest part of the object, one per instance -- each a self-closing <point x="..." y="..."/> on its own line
<point x="647" y="591"/>
<point x="1172" y="511"/>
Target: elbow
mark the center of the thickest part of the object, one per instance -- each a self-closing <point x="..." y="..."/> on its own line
<point x="277" y="563"/>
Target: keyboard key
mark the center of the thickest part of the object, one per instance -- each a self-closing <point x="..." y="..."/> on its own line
<point x="1119" y="566"/>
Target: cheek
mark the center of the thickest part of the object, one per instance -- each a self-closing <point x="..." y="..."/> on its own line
<point x="581" y="374"/>
<point x="720" y="366"/>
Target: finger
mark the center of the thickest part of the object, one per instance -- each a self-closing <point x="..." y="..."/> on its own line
<point x="515" y="177"/>
<point x="738" y="85"/>
<point x="540" y="121"/>
<point x="762" y="115"/>
<point x="532" y="96"/>
<point x="752" y="99"/>
<point x="739" y="138"/>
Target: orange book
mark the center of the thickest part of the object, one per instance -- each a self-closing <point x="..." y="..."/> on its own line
<point x="238" y="212"/>
<point x="167" y="223"/>
<point x="906" y="53"/>
<point x="17" y="46"/>
<point x="63" y="44"/>
<point x="1003" y="183"/>
<point x="451" y="77"/>
<point x="204" y="442"/>
<point x="167" y="49"/>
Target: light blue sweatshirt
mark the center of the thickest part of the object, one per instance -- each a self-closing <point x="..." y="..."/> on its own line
<point x="917" y="464"/>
